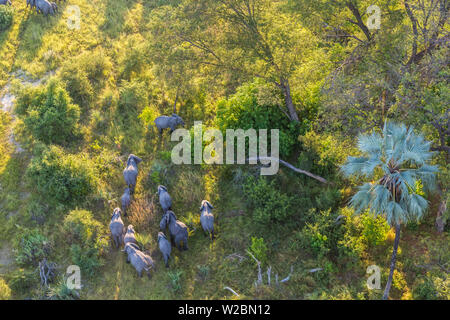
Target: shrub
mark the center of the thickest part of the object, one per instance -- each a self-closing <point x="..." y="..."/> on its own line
<point x="20" y="280"/>
<point x="259" y="249"/>
<point x="87" y="258"/>
<point x="322" y="154"/>
<point x="5" y="291"/>
<point x="321" y="234"/>
<point x="6" y="17"/>
<point x="242" y="111"/>
<point x="84" y="75"/>
<point x="61" y="177"/>
<point x="31" y="247"/>
<point x="49" y="114"/>
<point x="84" y="229"/>
<point x="143" y="215"/>
<point x="268" y="203"/>
<point x="375" y="229"/>
<point x="175" y="280"/>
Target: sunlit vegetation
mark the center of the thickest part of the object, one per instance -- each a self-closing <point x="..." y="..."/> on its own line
<point x="83" y="99"/>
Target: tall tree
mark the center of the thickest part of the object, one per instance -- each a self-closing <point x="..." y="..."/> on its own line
<point x="403" y="158"/>
<point x="245" y="39"/>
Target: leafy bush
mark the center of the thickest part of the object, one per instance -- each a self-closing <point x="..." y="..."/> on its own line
<point x="48" y="113"/>
<point x="375" y="229"/>
<point x="61" y="177"/>
<point x="268" y="203"/>
<point x="259" y="249"/>
<point x="85" y="75"/>
<point x="322" y="232"/>
<point x="6" y="17"/>
<point x="5" y="291"/>
<point x="175" y="280"/>
<point x="242" y="111"/>
<point x="431" y="288"/>
<point x="83" y="228"/>
<point x="31" y="247"/>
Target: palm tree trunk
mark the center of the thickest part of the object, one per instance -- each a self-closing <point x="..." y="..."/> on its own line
<point x="393" y="259"/>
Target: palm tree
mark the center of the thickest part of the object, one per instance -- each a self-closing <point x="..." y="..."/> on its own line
<point x="399" y="157"/>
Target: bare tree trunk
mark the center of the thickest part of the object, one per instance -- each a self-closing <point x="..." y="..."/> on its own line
<point x="393" y="259"/>
<point x="288" y="100"/>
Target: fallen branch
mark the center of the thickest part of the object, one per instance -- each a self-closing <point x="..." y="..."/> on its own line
<point x="232" y="291"/>
<point x="290" y="166"/>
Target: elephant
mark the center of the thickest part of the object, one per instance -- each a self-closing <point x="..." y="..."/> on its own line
<point x="6" y="2"/>
<point x="139" y="260"/>
<point x="165" y="247"/>
<point x="31" y="3"/>
<point x="164" y="122"/>
<point x="164" y="198"/>
<point x="131" y="171"/>
<point x="45" y="7"/>
<point x="130" y="236"/>
<point x="207" y="218"/>
<point x="126" y="200"/>
<point x="177" y="229"/>
<point x="117" y="227"/>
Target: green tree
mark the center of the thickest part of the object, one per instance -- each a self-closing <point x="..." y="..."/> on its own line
<point x="401" y="158"/>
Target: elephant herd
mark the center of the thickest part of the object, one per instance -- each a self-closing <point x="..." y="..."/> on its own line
<point x="177" y="230"/>
<point x="42" y="6"/>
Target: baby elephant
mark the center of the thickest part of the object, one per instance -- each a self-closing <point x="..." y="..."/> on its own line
<point x="177" y="229"/>
<point x="5" y="2"/>
<point x="131" y="171"/>
<point x="139" y="260"/>
<point x="207" y="218"/>
<point x="164" y="198"/>
<point x="165" y="247"/>
<point x="164" y="122"/>
<point x="117" y="227"/>
<point x="130" y="236"/>
<point x="126" y="200"/>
